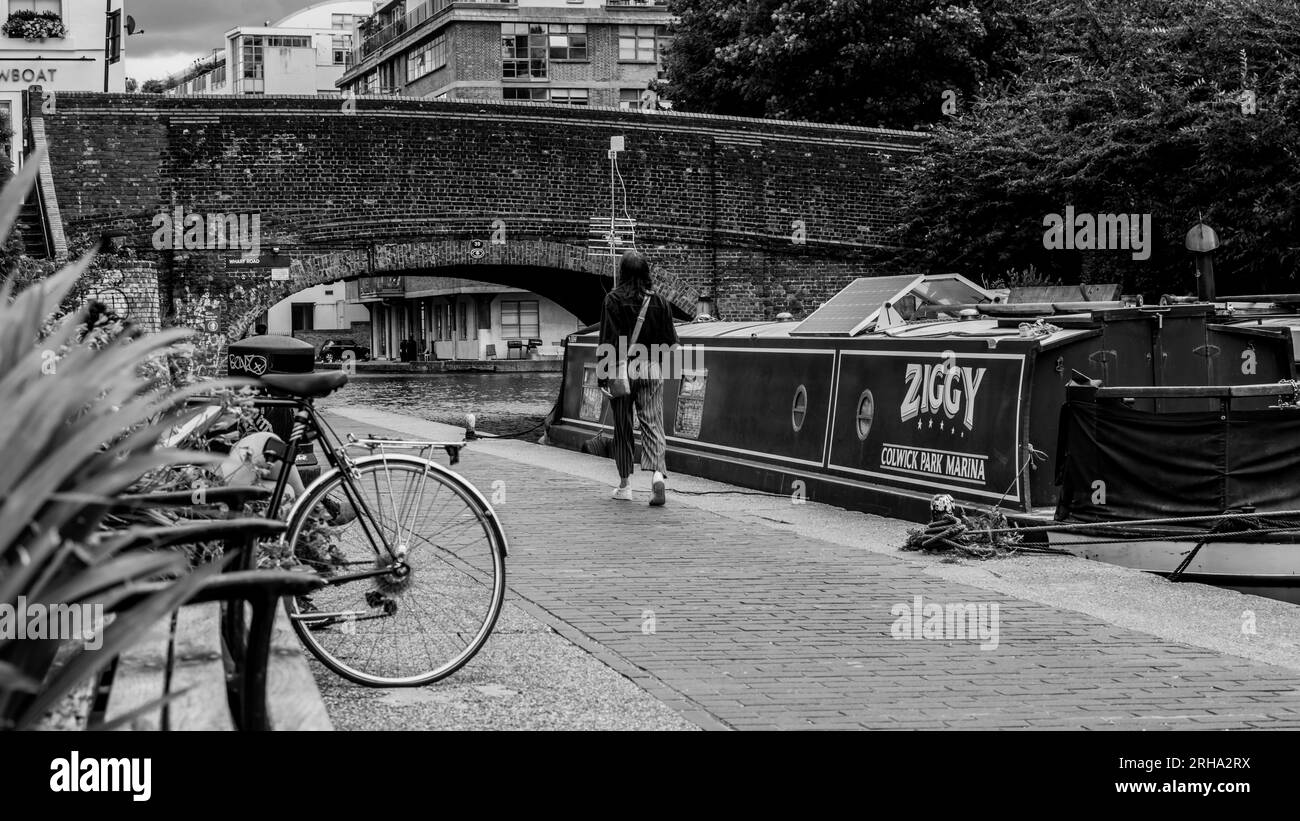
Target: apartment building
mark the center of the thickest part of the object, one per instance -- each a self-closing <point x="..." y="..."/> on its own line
<point x="568" y="52"/>
<point x="304" y="53"/>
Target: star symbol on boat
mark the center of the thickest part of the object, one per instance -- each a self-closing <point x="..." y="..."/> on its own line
<point x="931" y="424"/>
<point x="918" y="424"/>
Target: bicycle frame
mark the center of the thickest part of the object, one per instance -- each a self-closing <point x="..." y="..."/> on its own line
<point x="306" y="418"/>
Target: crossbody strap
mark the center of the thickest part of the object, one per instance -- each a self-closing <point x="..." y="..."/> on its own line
<point x="640" y="320"/>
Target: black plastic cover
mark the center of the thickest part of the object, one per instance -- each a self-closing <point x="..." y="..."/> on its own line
<point x="1115" y="463"/>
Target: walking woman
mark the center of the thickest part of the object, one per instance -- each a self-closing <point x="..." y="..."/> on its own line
<point x="635" y="315"/>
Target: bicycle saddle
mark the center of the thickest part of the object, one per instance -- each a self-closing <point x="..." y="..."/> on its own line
<point x="305" y="385"/>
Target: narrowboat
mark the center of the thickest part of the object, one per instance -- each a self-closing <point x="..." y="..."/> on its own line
<point x="903" y="387"/>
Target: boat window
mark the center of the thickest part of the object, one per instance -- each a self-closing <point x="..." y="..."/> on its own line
<point x="866" y="413"/>
<point x="800" y="410"/>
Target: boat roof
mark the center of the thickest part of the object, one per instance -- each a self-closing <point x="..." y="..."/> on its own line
<point x="982" y="328"/>
<point x="949" y="306"/>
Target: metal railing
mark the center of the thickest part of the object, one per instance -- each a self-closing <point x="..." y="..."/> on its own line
<point x="645" y="3"/>
<point x="375" y="41"/>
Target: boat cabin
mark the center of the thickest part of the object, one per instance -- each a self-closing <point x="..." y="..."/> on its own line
<point x="899" y="388"/>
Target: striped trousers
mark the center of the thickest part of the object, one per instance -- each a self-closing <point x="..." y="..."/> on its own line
<point x="648" y="397"/>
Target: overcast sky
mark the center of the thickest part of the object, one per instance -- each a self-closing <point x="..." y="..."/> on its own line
<point x="176" y="32"/>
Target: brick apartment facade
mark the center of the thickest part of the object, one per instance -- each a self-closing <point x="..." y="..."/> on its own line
<point x="602" y="53"/>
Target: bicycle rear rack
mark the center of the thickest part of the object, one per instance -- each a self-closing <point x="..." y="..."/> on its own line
<point x="422" y="448"/>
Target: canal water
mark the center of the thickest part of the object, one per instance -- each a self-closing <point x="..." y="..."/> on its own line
<point x="503" y="402"/>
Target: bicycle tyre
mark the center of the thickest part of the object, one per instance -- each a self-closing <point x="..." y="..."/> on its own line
<point x="363" y="660"/>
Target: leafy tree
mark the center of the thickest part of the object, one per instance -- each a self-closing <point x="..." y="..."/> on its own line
<point x="153" y="87"/>
<point x="844" y="61"/>
<point x="1182" y="111"/>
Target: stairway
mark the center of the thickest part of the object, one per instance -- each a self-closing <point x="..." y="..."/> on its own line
<point x="31" y="229"/>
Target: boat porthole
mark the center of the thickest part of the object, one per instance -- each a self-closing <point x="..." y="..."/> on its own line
<point x="866" y="413"/>
<point x="800" y="409"/>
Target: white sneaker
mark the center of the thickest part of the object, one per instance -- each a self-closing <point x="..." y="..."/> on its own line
<point x="657" y="497"/>
<point x="623" y="494"/>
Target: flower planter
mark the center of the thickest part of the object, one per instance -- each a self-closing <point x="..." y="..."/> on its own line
<point x="34" y="26"/>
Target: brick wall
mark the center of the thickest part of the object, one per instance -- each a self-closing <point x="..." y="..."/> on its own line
<point x="475" y="51"/>
<point x="716" y="198"/>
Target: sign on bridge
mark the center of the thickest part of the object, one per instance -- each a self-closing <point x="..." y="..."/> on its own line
<point x="277" y="263"/>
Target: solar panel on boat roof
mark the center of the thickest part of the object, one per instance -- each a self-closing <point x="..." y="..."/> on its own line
<point x="846" y="313"/>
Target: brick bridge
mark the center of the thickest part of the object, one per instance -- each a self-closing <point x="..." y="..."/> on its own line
<point x="765" y="216"/>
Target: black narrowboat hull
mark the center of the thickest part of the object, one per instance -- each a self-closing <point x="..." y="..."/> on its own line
<point x="883" y="421"/>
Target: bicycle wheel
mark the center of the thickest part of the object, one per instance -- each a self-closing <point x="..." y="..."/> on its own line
<point x="397" y="626"/>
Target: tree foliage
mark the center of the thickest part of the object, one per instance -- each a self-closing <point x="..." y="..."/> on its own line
<point x="845" y="61"/>
<point x="1184" y="111"/>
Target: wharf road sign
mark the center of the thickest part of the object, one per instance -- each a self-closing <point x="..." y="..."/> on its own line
<point x="271" y="260"/>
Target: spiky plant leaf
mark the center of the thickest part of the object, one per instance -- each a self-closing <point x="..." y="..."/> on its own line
<point x="81" y="423"/>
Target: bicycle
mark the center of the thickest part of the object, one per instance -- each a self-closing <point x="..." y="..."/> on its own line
<point x="412" y="590"/>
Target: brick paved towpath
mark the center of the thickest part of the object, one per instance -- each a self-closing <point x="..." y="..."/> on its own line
<point x="741" y="619"/>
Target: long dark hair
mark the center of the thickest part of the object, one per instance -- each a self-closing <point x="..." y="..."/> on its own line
<point x="634" y="274"/>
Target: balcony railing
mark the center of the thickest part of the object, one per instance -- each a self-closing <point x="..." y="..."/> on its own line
<point x="380" y="287"/>
<point x="644" y="3"/>
<point x="377" y="40"/>
<point x="429" y="9"/>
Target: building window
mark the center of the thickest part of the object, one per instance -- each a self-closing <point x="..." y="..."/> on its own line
<point x="567" y="42"/>
<point x="303" y="315"/>
<point x="249" y="70"/>
<point x="341" y="45"/>
<point x="388" y="76"/>
<point x="523" y="50"/>
<point x="429" y="57"/>
<point x="37" y="6"/>
<point x="536" y="95"/>
<point x="569" y="96"/>
<point x="520" y="320"/>
<point x="113" y="36"/>
<point x="200" y="83"/>
<point x="343" y="21"/>
<point x="464" y="320"/>
<point x="629" y="99"/>
<point x="219" y="76"/>
<point x="6" y="130"/>
<point x="637" y="43"/>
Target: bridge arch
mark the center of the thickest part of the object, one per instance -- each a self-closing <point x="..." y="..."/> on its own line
<point x="566" y="274"/>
